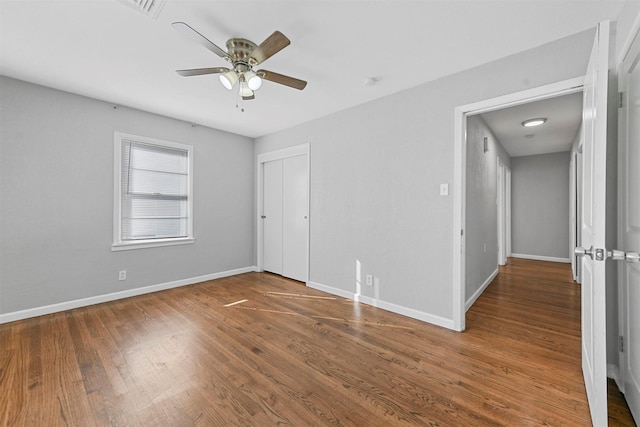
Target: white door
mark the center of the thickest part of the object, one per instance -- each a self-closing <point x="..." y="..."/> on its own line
<point x="507" y="206"/>
<point x="630" y="206"/>
<point x="294" y="218"/>
<point x="272" y="216"/>
<point x="501" y="218"/>
<point x="593" y="221"/>
<point x="504" y="212"/>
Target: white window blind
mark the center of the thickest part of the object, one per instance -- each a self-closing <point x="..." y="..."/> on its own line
<point x="154" y="191"/>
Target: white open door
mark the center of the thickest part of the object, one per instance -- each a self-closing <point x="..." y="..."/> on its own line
<point x="629" y="179"/>
<point x="593" y="224"/>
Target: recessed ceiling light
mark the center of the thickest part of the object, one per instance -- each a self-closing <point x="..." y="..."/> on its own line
<point x="534" y="122"/>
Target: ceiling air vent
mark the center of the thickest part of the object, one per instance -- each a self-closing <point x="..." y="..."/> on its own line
<point x="151" y="8"/>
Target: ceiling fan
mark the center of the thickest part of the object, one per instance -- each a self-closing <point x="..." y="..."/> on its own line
<point x="243" y="55"/>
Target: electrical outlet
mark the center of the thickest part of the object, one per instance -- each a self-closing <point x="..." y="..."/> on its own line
<point x="122" y="275"/>
<point x="369" y="280"/>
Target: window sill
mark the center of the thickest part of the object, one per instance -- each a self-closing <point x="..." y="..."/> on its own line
<point x="143" y="244"/>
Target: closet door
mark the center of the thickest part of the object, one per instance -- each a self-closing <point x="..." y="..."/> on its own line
<point x="294" y="217"/>
<point x="272" y="216"/>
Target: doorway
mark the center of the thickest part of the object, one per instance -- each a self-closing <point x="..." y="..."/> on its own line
<point x="460" y="175"/>
<point x="283" y="212"/>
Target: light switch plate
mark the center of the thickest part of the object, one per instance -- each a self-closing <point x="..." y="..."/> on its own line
<point x="444" y="189"/>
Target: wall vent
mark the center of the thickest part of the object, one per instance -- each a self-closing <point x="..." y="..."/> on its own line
<point x="151" y="8"/>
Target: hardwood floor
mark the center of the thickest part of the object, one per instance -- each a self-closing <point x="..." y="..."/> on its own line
<point x="259" y="350"/>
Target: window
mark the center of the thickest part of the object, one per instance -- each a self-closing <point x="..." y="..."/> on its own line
<point x="153" y="193"/>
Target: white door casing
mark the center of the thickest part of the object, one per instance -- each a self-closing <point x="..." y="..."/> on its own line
<point x="508" y="211"/>
<point x="629" y="233"/>
<point x="552" y="90"/>
<point x="500" y="187"/>
<point x="593" y="225"/>
<point x="283" y="244"/>
<point x="504" y="212"/>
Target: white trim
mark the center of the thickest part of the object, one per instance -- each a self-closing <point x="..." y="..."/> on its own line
<point x="613" y="373"/>
<point x="564" y="87"/>
<point x="84" y="302"/>
<point x="123" y="246"/>
<point x="508" y="210"/>
<point x="542" y="258"/>
<point x="553" y="90"/>
<point x="333" y="291"/>
<point x="501" y="190"/>
<point x="297" y="150"/>
<point x="479" y="292"/>
<point x="394" y="308"/>
<point x="459" y="217"/>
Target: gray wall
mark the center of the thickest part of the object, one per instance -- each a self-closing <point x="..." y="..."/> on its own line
<point x="481" y="225"/>
<point x="56" y="216"/>
<point x="376" y="171"/>
<point x="540" y="217"/>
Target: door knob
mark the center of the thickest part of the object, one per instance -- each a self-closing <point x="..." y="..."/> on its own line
<point x="617" y="255"/>
<point x="580" y="251"/>
<point x="631" y="256"/>
<point x="614" y="254"/>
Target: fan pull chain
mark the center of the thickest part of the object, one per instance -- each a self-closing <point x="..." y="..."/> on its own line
<point x="241" y="102"/>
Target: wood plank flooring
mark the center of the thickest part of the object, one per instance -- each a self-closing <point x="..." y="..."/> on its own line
<point x="260" y="350"/>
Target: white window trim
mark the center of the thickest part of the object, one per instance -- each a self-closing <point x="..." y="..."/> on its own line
<point x="120" y="245"/>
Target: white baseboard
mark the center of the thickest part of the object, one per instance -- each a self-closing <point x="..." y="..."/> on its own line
<point x="83" y="302"/>
<point x="542" y="258"/>
<point x="330" y="290"/>
<point x="479" y="292"/>
<point x="394" y="308"/>
<point x="614" y="373"/>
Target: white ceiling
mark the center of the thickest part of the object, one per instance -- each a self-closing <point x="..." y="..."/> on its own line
<point x="107" y="50"/>
<point x="563" y="114"/>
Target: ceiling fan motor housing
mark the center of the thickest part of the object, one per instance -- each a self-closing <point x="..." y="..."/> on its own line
<point x="240" y="50"/>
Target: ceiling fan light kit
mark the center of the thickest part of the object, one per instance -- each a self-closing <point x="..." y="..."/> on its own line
<point x="228" y="79"/>
<point x="243" y="55"/>
<point x="253" y="80"/>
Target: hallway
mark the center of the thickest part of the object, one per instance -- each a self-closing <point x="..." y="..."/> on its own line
<point x="535" y="307"/>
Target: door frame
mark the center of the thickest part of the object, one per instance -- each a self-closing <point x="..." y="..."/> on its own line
<point x="500" y="211"/>
<point x="564" y="87"/>
<point x="297" y="150"/>
<point x="508" y="211"/>
<point x="621" y="374"/>
<point x="504" y="212"/>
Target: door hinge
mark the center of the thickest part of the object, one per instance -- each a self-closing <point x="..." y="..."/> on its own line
<point x="620" y="99"/>
<point x="462" y="232"/>
<point x="621" y="344"/>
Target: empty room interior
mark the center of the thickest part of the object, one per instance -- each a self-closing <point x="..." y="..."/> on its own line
<point x="351" y="213"/>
